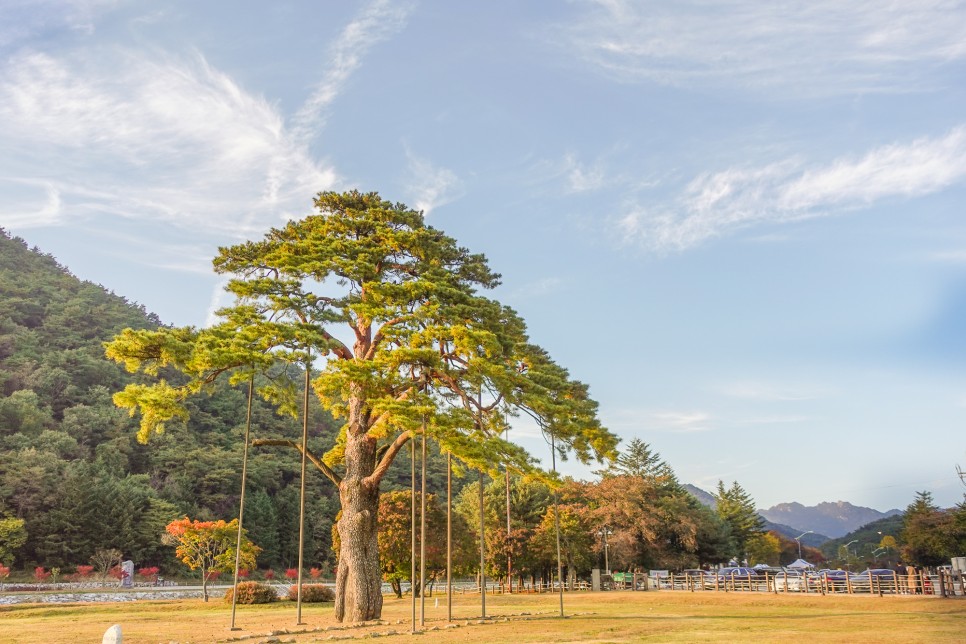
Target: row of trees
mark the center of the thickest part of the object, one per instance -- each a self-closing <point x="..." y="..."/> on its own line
<point x="932" y="535"/>
<point x="650" y="519"/>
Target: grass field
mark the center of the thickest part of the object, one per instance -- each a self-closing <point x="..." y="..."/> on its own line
<point x="591" y="617"/>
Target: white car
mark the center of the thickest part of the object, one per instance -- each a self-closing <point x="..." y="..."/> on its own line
<point x="790" y="580"/>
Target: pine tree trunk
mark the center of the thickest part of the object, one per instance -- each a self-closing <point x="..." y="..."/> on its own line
<point x="358" y="592"/>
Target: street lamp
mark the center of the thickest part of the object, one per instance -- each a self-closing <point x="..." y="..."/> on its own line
<point x="603" y="532"/>
<point x="849" y="544"/>
<point x="847" y="551"/>
<point x="800" y="543"/>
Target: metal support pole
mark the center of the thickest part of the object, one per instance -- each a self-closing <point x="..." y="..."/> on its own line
<point x="241" y="500"/>
<point x="422" y="536"/>
<point x="305" y="448"/>
<point x="449" y="537"/>
<point x="412" y="529"/>
<point x="556" y="523"/>
<point x="606" y="560"/>
<point x="509" y="556"/>
<point x="482" y="554"/>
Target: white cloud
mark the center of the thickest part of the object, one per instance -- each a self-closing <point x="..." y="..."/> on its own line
<point x="376" y="22"/>
<point x="765" y="392"/>
<point x="672" y="421"/>
<point x="22" y="19"/>
<point x="430" y="186"/>
<point x="772" y="420"/>
<point x="719" y="203"/>
<point x="160" y="139"/>
<point x="948" y="256"/>
<point x="680" y="422"/>
<point x="809" y="48"/>
<point x="538" y="288"/>
<point x="581" y="178"/>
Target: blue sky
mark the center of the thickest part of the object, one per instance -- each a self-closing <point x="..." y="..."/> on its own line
<point x="739" y="222"/>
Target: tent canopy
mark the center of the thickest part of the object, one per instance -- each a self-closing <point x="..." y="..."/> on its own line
<point x="800" y="563"/>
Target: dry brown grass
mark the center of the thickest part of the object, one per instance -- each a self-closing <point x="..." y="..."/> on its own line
<point x="592" y="618"/>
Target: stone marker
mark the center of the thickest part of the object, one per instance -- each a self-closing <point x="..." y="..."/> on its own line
<point x="127" y="573"/>
<point x="113" y="635"/>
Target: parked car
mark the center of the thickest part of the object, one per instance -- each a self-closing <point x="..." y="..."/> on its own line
<point x="881" y="575"/>
<point x="790" y="580"/>
<point x="737" y="573"/>
<point x="698" y="578"/>
<point x="874" y="572"/>
<point x="832" y="579"/>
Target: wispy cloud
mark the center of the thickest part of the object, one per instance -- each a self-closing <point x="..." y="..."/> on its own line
<point x="538" y="288"/>
<point x="680" y="421"/>
<point x="627" y="421"/>
<point x="772" y="420"/>
<point x="765" y="392"/>
<point x="716" y="204"/>
<point x="583" y="178"/>
<point x="430" y="186"/>
<point x="376" y="22"/>
<point x="948" y="256"/>
<point x="573" y="175"/>
<point x="160" y="139"/>
<point x="818" y="47"/>
<point x="22" y="19"/>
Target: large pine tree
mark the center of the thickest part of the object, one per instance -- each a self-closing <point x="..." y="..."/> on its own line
<point x="736" y="507"/>
<point x="387" y="310"/>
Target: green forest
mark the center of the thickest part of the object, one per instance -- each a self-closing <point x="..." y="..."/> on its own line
<point x="74" y="479"/>
<point x="70" y="465"/>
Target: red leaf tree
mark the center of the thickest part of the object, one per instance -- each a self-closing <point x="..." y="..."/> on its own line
<point x="209" y="546"/>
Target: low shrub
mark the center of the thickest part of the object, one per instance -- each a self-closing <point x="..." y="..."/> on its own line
<point x="252" y="592"/>
<point x="312" y="593"/>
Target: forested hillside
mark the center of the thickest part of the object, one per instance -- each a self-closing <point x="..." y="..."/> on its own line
<point x="70" y="465"/>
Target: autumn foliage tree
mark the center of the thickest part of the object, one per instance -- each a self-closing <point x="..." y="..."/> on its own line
<point x="425" y="354"/>
<point x="395" y="535"/>
<point x="209" y="546"/>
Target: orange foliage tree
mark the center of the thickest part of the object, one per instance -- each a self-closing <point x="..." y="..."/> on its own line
<point x="209" y="546"/>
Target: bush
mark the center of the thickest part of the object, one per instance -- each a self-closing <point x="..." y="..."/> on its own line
<point x="252" y="592"/>
<point x="149" y="574"/>
<point x="312" y="593"/>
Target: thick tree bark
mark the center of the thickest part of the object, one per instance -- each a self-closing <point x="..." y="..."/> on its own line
<point x="358" y="595"/>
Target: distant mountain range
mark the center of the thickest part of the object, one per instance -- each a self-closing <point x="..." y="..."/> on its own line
<point x="825" y="520"/>
<point x="834" y="519"/>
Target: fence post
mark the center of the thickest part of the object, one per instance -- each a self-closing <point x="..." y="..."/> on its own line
<point x="848" y="582"/>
